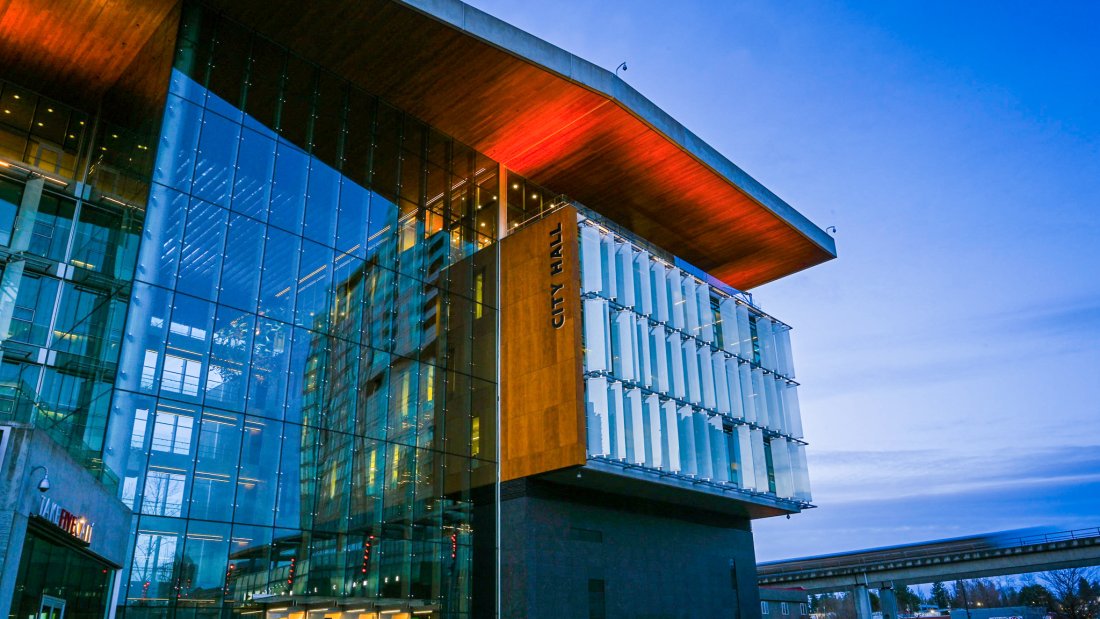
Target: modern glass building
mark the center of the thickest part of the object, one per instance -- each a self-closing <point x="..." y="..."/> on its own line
<point x="296" y="320"/>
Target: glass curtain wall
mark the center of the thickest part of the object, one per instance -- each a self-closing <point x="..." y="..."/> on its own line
<point x="306" y="403"/>
<point x="684" y="378"/>
<point x="72" y="197"/>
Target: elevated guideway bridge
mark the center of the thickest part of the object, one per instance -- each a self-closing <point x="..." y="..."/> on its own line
<point x="978" y="556"/>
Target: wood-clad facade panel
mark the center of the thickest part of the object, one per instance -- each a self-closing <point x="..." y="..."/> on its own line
<point x="542" y="395"/>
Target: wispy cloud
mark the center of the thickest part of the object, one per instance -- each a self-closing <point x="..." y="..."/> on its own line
<point x="959" y="347"/>
<point x="843" y="476"/>
<point x="1051" y="498"/>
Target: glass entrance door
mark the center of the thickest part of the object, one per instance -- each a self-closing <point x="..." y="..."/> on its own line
<point x="52" y="608"/>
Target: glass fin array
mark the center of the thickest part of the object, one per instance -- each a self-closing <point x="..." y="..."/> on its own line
<point x="683" y="378"/>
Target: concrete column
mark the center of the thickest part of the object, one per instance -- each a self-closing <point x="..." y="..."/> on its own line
<point x="9" y="292"/>
<point x="889" y="602"/>
<point x="863" y="602"/>
<point x="28" y="212"/>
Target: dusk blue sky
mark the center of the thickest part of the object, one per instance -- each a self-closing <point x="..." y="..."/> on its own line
<point x="950" y="357"/>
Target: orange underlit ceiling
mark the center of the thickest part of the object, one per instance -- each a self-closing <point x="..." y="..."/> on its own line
<point x="561" y="134"/>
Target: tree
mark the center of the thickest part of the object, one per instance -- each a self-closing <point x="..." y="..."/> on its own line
<point x="1074" y="592"/>
<point x="940" y="596"/>
<point x="908" y="602"/>
<point x="1036" y="595"/>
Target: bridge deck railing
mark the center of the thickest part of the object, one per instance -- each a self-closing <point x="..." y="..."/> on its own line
<point x="935" y="549"/>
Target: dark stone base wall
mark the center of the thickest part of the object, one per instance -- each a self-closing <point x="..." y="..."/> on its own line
<point x="561" y="546"/>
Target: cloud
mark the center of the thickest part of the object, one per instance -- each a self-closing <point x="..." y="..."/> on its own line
<point x="915" y="499"/>
<point x="845" y="476"/>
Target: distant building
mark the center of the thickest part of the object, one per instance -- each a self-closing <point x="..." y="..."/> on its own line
<point x="777" y="603"/>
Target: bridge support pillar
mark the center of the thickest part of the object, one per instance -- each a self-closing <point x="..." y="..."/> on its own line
<point x="889" y="602"/>
<point x="863" y="602"/>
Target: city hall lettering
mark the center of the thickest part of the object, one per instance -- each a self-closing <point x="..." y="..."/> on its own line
<point x="557" y="269"/>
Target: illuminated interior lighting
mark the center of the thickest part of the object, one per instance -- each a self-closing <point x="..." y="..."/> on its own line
<point x="41" y="125"/>
<point x="16" y="96"/>
<point x="314" y="272"/>
<point x="515" y="185"/>
<point x="114" y="135"/>
<point x="278" y="610"/>
<point x="50" y="110"/>
<point x="7" y="111"/>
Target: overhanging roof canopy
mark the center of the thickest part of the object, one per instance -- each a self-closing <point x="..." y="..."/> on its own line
<point x="555" y="118"/>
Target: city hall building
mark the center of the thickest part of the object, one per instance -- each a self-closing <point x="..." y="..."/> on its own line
<point x="353" y="310"/>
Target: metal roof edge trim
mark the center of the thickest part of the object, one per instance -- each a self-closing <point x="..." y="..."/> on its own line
<point x="527" y="47"/>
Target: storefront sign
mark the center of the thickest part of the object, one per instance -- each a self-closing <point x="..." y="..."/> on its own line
<point x="67" y="521"/>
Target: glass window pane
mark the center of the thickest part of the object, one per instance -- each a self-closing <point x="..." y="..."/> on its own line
<point x="288" y="191"/>
<point x="295" y="117"/>
<point x="215" y="480"/>
<point x="158" y="549"/>
<point x="265" y="76"/>
<point x="202" y="250"/>
<point x="50" y="226"/>
<point x="34" y="301"/>
<point x="351" y="233"/>
<point x="321" y="203"/>
<point x="106" y="240"/>
<point x="270" y="361"/>
<point x="244" y="246"/>
<point x="206" y="552"/>
<point x="314" y="286"/>
<point x="217" y="152"/>
<point x="11" y="193"/>
<point x="179" y="139"/>
<point x="227" y="70"/>
<point x="230" y="353"/>
<point x="163" y="234"/>
<point x="257" y="480"/>
<point x="279" y="285"/>
<point x="255" y="165"/>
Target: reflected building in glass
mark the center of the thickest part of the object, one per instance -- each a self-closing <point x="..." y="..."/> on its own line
<point x="297" y="321"/>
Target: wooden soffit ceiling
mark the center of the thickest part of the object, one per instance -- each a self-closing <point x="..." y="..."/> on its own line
<point x="566" y="124"/>
<point x="556" y="119"/>
<point x="76" y="51"/>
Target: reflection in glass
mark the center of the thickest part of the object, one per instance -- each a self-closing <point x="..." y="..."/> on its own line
<point x="314" y="329"/>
